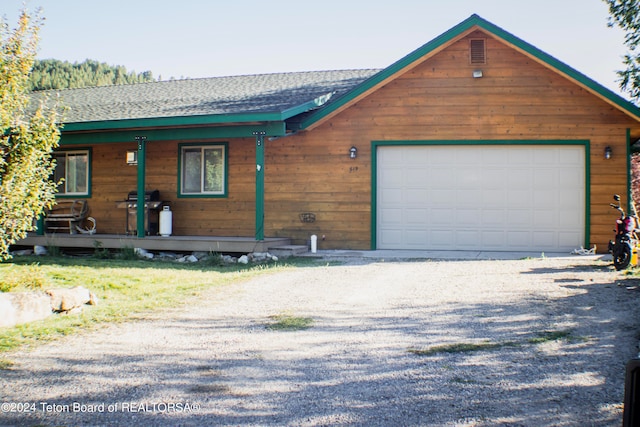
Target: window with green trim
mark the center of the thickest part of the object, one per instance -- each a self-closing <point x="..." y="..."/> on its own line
<point x="72" y="171"/>
<point x="203" y="170"/>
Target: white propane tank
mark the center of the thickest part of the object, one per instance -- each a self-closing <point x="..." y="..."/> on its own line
<point x="314" y="243"/>
<point x="166" y="219"/>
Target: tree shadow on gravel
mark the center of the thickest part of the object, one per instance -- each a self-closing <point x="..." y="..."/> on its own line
<point x="365" y="369"/>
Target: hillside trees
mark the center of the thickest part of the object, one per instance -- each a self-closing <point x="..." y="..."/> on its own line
<point x="56" y="74"/>
<point x="27" y="136"/>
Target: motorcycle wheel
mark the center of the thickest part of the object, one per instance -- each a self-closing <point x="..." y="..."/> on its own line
<point x="622" y="258"/>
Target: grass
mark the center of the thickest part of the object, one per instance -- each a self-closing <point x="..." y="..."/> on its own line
<point x="462" y="348"/>
<point x="465" y="347"/>
<point x="127" y="290"/>
<point x="288" y="322"/>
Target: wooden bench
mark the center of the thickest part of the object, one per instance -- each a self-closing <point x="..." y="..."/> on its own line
<point x="66" y="215"/>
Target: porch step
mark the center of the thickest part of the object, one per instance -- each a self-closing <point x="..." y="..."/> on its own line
<point x="288" y="250"/>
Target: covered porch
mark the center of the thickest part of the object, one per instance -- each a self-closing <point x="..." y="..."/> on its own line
<point x="216" y="244"/>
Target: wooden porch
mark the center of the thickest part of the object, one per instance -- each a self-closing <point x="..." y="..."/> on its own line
<point x="157" y="243"/>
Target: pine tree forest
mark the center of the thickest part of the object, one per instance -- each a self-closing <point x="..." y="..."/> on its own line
<point x="55" y="74"/>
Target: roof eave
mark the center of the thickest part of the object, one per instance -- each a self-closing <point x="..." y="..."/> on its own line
<point x="155" y="122"/>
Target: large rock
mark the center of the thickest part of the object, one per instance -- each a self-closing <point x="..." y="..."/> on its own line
<point x="67" y="299"/>
<point x="23" y="307"/>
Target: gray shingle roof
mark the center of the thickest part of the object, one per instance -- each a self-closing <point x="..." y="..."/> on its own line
<point x="264" y="93"/>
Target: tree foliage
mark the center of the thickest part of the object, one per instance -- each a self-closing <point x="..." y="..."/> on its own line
<point x="626" y="15"/>
<point x="27" y="136"/>
<point x="56" y="74"/>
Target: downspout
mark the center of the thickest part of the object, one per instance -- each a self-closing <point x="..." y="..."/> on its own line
<point x="142" y="148"/>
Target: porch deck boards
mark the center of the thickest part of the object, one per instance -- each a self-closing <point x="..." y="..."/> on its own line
<point x="218" y="244"/>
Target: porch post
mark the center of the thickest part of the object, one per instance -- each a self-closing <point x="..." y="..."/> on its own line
<point x="259" y="184"/>
<point x="140" y="211"/>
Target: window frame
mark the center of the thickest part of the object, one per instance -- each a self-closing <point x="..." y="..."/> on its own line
<point x="225" y="173"/>
<point x="66" y="152"/>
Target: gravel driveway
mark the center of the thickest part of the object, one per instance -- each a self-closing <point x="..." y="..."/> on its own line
<point x="533" y="342"/>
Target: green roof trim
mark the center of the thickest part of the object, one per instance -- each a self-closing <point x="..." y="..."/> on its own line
<point x="172" y="134"/>
<point x="175" y="121"/>
<point x="450" y="35"/>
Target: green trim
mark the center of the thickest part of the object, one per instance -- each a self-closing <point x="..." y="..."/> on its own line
<point x="374" y="171"/>
<point x="141" y="188"/>
<point x="450" y="35"/>
<point x="259" y="185"/>
<point x="126" y="136"/>
<point x="213" y="119"/>
<point x="225" y="191"/>
<point x="89" y="173"/>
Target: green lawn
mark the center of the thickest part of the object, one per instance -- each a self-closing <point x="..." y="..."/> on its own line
<point x="126" y="289"/>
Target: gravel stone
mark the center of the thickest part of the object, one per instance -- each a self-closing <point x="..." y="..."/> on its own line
<point x="546" y="340"/>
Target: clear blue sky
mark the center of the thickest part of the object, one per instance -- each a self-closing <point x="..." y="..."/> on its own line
<point x="206" y="38"/>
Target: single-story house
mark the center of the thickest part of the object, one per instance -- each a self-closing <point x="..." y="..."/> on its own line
<point x="475" y="141"/>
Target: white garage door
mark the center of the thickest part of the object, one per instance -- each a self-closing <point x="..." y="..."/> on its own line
<point x="490" y="197"/>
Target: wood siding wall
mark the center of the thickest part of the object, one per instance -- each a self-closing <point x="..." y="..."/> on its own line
<point x="113" y="179"/>
<point x="517" y="98"/>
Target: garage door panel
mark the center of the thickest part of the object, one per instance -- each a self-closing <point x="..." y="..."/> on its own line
<point x="438" y="239"/>
<point x="468" y="217"/>
<point x="544" y="239"/>
<point x="493" y="239"/>
<point x="544" y="219"/>
<point x="481" y="197"/>
<point x="493" y="217"/>
<point x="467" y="198"/>
<point x="493" y="178"/>
<point x="416" y="237"/>
<point x="439" y="177"/>
<point x="416" y="216"/>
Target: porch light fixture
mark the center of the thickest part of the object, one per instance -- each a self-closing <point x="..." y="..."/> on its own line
<point x="132" y="157"/>
<point x="608" y="152"/>
<point x="353" y="152"/>
<point x="477" y="74"/>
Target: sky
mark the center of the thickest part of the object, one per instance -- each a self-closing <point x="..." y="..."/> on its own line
<point x="208" y="38"/>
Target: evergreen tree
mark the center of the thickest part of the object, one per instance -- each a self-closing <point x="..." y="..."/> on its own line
<point x="55" y="74"/>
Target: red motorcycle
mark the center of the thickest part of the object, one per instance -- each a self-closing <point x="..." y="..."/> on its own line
<point x="621" y="248"/>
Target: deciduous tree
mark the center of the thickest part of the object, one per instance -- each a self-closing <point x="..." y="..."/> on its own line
<point x="27" y="135"/>
<point x="626" y="15"/>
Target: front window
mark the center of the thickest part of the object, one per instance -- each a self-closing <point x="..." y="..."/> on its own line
<point x="203" y="170"/>
<point x="72" y="171"/>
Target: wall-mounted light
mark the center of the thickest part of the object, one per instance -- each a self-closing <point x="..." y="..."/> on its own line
<point x="477" y="74"/>
<point x="353" y="152"/>
<point x="132" y="157"/>
<point x="608" y="152"/>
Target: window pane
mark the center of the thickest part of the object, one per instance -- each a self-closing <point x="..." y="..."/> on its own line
<point x="191" y="170"/>
<point x="213" y="163"/>
<point x="77" y="172"/>
<point x="60" y="171"/>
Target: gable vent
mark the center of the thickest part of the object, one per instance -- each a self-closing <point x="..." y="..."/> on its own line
<point x="477" y="51"/>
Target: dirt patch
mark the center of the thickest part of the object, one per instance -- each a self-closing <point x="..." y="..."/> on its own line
<point x="530" y="342"/>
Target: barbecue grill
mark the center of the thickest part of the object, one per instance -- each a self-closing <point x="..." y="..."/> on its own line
<point x="152" y="207"/>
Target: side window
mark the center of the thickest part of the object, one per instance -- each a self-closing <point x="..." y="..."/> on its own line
<point x="203" y="170"/>
<point x="73" y="173"/>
